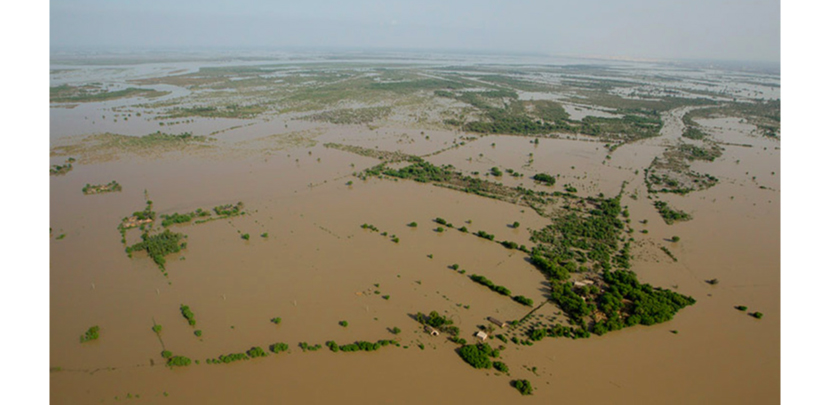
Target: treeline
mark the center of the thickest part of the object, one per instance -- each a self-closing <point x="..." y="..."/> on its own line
<point x="670" y="215"/>
<point x="489" y="284"/>
<point x="359" y="346"/>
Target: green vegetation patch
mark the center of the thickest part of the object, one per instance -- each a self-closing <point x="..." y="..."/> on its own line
<point x="91" y="334"/>
<point x="110" y="187"/>
<point x="57" y="170"/>
<point x="159" y="245"/>
<point x="523" y="386"/>
<point x="437" y="321"/>
<point x="188" y="314"/>
<point x="351" y="115"/>
<point x="489" y="284"/>
<point x="92" y="93"/>
<point x="669" y="214"/>
<point x="478" y="355"/>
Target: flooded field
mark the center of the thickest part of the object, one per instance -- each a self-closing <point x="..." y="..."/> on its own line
<point x="368" y="189"/>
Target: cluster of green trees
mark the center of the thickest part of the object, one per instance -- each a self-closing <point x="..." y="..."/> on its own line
<point x="484" y="281"/>
<point x="228" y="358"/>
<point x="359" y="346"/>
<point x="176" y="218"/>
<point x="255" y="352"/>
<point x="693" y="152"/>
<point x="485" y="235"/>
<point x="421" y="171"/>
<point x="178" y="361"/>
<point x="188" y="314"/>
<point x="306" y="347"/>
<point x="370" y="227"/>
<point x="670" y="215"/>
<point x="91" y="334"/>
<point x="501" y="367"/>
<point x="159" y="245"/>
<point x="544" y="178"/>
<point x="574" y="240"/>
<point x="60" y="169"/>
<point x="668" y="252"/>
<point x="521" y="299"/>
<point x="101" y="188"/>
<point x="438" y="322"/>
<point x="229" y="210"/>
<point x="509" y="244"/>
<point x="478" y="355"/>
<point x="523" y="386"/>
<point x="278" y="347"/>
<point x="644" y="304"/>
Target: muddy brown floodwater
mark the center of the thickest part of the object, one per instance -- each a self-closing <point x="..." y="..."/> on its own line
<point x="317" y="267"/>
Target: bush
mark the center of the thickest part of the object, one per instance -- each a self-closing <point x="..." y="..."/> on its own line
<point x="178" y="361"/>
<point x="344" y="324"/>
<point x="198" y="333"/>
<point x="157" y="328"/>
<point x="523" y="300"/>
<point x="741" y="308"/>
<point x="675" y="239"/>
<point x="255" y="352"/>
<point x="441" y="221"/>
<point x="501" y="367"/>
<point x="523" y="386"/>
<point x="166" y="354"/>
<point x="278" y="347"/>
<point x="276" y="321"/>
<point x="396" y="330"/>
<point x="516" y="224"/>
<point x="412" y="224"/>
<point x="188" y="314"/>
<point x="91" y="334"/>
<point x="246" y="236"/>
<point x="757" y="315"/>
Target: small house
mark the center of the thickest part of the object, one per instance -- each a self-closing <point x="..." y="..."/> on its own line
<point x="432" y="331"/>
<point x="481" y="335"/>
<point x="497" y="322"/>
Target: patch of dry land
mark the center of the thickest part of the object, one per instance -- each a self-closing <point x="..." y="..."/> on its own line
<point x="410" y="231"/>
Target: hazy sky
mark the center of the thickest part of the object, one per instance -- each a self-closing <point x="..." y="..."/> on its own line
<point x="690" y="29"/>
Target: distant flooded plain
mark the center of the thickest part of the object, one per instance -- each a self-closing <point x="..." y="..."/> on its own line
<point x="308" y="261"/>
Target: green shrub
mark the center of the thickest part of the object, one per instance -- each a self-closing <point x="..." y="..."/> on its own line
<point x="276" y="321"/>
<point x="741" y="308"/>
<point x="178" y="361"/>
<point x="343" y="323"/>
<point x="91" y="334"/>
<point x="246" y="236"/>
<point x="157" y="328"/>
<point x="166" y="354"/>
<point x="198" y="333"/>
<point x="278" y="347"/>
<point x="412" y="224"/>
<point x="757" y="315"/>
<point x="523" y="300"/>
<point x="675" y="239"/>
<point x="188" y="314"/>
<point x="501" y="367"/>
<point x="396" y="330"/>
<point x="523" y="386"/>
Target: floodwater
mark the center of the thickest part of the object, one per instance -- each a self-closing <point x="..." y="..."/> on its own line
<point x="318" y="267"/>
